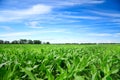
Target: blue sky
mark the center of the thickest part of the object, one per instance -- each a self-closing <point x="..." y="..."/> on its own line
<point x="60" y="21"/>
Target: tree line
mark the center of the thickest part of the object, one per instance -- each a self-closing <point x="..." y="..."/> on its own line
<point x="23" y="41"/>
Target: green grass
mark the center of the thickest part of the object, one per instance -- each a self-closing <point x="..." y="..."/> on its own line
<point x="59" y="62"/>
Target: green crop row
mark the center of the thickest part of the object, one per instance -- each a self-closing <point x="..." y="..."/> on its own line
<point x="59" y="62"/>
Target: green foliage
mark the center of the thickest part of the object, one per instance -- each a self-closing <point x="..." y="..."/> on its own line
<point x="59" y="62"/>
<point x="36" y="41"/>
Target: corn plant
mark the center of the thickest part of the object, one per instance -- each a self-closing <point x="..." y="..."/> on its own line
<point x="59" y="62"/>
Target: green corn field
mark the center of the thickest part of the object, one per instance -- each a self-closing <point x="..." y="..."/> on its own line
<point x="59" y="62"/>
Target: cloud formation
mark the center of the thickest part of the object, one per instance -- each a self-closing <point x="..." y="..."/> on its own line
<point x="10" y="15"/>
<point x="6" y="28"/>
<point x="110" y="14"/>
<point x="104" y="34"/>
<point x="79" y="2"/>
<point x="81" y="20"/>
<point x="33" y="24"/>
<point x="30" y="33"/>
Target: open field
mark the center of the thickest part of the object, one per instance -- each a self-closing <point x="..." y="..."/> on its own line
<point x="59" y="62"/>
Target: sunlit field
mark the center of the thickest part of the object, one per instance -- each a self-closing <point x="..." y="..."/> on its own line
<point x="59" y="62"/>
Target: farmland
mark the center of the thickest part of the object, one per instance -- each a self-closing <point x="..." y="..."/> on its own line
<point x="59" y="62"/>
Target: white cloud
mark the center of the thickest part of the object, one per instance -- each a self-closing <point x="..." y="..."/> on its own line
<point x="110" y="14"/>
<point x="96" y="1"/>
<point x="9" y="15"/>
<point x="62" y="18"/>
<point x="16" y="34"/>
<point x="6" y="28"/>
<point x="117" y="21"/>
<point x="83" y="17"/>
<point x="100" y="34"/>
<point x="33" y="24"/>
<point x="104" y="34"/>
<point x="117" y="35"/>
<point x="63" y="3"/>
<point x="36" y="9"/>
<point x="31" y="33"/>
<point x="59" y="2"/>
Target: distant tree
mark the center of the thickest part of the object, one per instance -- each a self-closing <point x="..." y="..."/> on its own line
<point x="1" y="41"/>
<point x="6" y="42"/>
<point x="88" y="43"/>
<point x="37" y="42"/>
<point x="29" y="41"/>
<point x="15" y="42"/>
<point x="47" y="42"/>
<point x="23" y="41"/>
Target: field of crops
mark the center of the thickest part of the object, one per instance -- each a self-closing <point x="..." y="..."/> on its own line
<point x="59" y="62"/>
